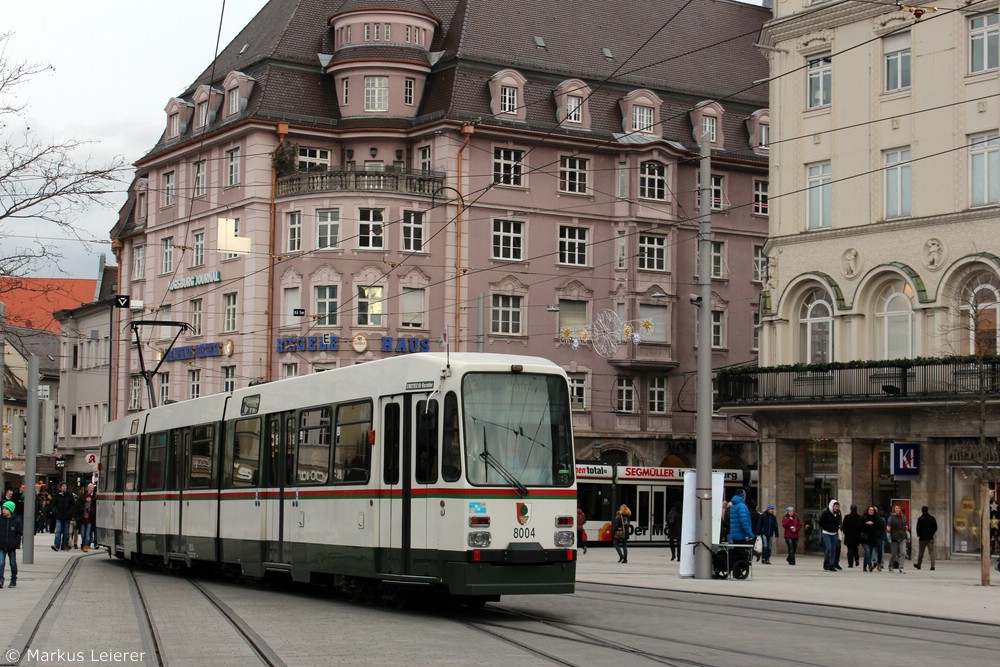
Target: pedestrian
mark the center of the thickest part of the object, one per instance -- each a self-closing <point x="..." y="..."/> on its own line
<point x="754" y="521"/>
<point x="898" y="534"/>
<point x="872" y="530"/>
<point x="829" y="523"/>
<point x="87" y="524"/>
<point x="62" y="510"/>
<point x="724" y="525"/>
<point x="11" y="530"/>
<point x="926" y="529"/>
<point x="767" y="529"/>
<point x="852" y="536"/>
<point x="74" y="523"/>
<point x="41" y="515"/>
<point x="19" y="502"/>
<point x="793" y="528"/>
<point x="740" y="522"/>
<point x="619" y="530"/>
<point x="92" y="492"/>
<point x="581" y="534"/>
<point x="674" y="531"/>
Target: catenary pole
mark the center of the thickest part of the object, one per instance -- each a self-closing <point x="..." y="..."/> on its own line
<point x="703" y="420"/>
<point x="30" y="457"/>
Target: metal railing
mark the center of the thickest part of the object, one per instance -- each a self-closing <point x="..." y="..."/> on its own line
<point x="922" y="380"/>
<point x="392" y="179"/>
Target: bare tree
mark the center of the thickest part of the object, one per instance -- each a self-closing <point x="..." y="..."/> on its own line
<point x="41" y="181"/>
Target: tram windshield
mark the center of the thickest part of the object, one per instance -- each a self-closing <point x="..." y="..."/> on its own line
<point x="517" y="430"/>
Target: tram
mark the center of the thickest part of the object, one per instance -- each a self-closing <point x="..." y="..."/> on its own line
<point x="449" y="472"/>
<point x="649" y="491"/>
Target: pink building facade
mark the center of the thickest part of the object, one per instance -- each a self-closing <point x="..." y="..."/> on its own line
<point x="405" y="172"/>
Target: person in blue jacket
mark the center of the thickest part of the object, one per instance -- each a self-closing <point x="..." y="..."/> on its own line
<point x="740" y="525"/>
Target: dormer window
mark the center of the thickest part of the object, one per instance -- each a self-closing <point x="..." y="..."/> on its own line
<point x="574" y="109"/>
<point x="759" y="130"/>
<point x="571" y="104"/>
<point x="174" y="126"/>
<point x="202" y="114"/>
<point x="507" y="93"/>
<point x="642" y="118"/>
<point x="708" y="124"/>
<point x="641" y="113"/>
<point x="706" y="119"/>
<point x="237" y="87"/>
<point x="508" y="99"/>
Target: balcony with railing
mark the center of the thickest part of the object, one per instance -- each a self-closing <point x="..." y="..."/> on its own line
<point x="951" y="379"/>
<point x="398" y="180"/>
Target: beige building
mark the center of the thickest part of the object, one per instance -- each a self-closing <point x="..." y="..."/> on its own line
<point x="885" y="185"/>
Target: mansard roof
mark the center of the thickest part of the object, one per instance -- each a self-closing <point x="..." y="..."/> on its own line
<point x="701" y="51"/>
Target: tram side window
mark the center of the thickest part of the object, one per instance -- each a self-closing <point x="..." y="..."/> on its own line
<point x="202" y="454"/>
<point x="244" y="456"/>
<point x="131" y="464"/>
<point x="273" y="454"/>
<point x="109" y="455"/>
<point x="451" y="451"/>
<point x="290" y="429"/>
<point x="314" y="446"/>
<point x="352" y="452"/>
<point x="176" y="461"/>
<point x="427" y="452"/>
<point x="112" y="474"/>
<point x="390" y="444"/>
<point x="155" y="470"/>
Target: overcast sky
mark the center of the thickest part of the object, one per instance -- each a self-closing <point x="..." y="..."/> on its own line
<point x="117" y="63"/>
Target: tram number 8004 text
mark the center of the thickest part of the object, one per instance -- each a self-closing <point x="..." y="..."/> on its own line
<point x="522" y="533"/>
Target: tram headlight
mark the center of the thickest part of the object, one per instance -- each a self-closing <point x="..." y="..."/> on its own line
<point x="480" y="539"/>
<point x="564" y="538"/>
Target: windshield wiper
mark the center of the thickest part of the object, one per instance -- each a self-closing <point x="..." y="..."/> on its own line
<point x="492" y="461"/>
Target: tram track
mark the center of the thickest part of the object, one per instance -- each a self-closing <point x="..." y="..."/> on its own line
<point x="257" y="645"/>
<point x="25" y="638"/>
<point x="811" y="617"/>
<point x="597" y="637"/>
<point x="808" y="615"/>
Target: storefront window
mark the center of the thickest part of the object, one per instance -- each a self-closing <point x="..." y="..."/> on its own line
<point x="819" y="488"/>
<point x="966" y="510"/>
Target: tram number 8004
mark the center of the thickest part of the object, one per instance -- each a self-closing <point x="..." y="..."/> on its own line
<point x="522" y="533"/>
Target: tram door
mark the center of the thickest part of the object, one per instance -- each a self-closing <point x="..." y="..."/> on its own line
<point x="402" y="508"/>
<point x="650" y="516"/>
<point x="278" y="481"/>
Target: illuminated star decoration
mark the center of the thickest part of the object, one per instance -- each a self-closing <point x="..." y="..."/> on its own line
<point x="606" y="333"/>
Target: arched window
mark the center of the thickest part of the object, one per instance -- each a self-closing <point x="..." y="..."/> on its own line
<point x="980" y="312"/>
<point x="894" y="322"/>
<point x="816" y="328"/>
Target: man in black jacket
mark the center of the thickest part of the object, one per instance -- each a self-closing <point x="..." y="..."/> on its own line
<point x="926" y="529"/>
<point x="63" y="504"/>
